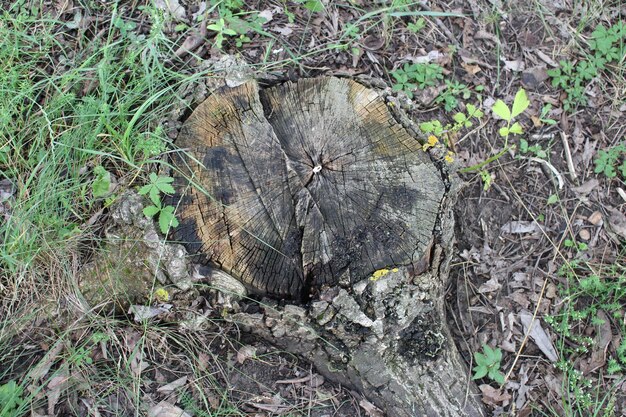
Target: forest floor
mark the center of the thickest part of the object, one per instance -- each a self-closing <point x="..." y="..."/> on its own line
<point x="90" y="98"/>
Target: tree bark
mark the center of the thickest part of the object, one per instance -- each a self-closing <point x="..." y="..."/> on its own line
<point x="313" y="192"/>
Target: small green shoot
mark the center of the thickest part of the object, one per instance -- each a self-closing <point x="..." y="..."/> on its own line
<point x="102" y="182"/>
<point x="610" y="161"/>
<point x="158" y="185"/>
<point x="413" y="76"/>
<point x="488" y="364"/>
<point x="417" y="26"/>
<point x="537" y="150"/>
<point x="221" y="31"/>
<point x="450" y="96"/>
<point x="487" y="179"/>
<point x="10" y="398"/>
<point x="520" y="103"/>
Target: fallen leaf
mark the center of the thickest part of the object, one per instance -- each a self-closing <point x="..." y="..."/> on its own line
<point x="245" y="352"/>
<point x="520" y="227"/>
<point x="489" y="286"/>
<point x="595" y="218"/>
<point x="57" y="384"/>
<point x="602" y="340"/>
<point x="533" y="77"/>
<point x="285" y="30"/>
<point x="586" y="187"/>
<point x="173" y="7"/>
<point x="165" y="409"/>
<point x="493" y="396"/>
<point x="370" y="409"/>
<point x="172" y="386"/>
<point x="471" y="69"/>
<point x="267" y="14"/>
<point x="147" y="312"/>
<point x="538" y="335"/>
<point x="515" y="66"/>
<point x="617" y="223"/>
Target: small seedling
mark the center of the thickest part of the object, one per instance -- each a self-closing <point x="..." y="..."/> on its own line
<point x="607" y="45"/>
<point x="10" y="398"/>
<point x="417" y="26"/>
<point x="536" y="149"/>
<point x="158" y="185"/>
<point x="221" y="31"/>
<point x="488" y="364"/>
<point x="102" y="182"/>
<point x="520" y="103"/>
<point x="487" y="179"/>
<point x="450" y="96"/>
<point x="608" y="159"/>
<point x="413" y="76"/>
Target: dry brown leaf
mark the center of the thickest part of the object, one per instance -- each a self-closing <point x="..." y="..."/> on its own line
<point x="172" y="386"/>
<point x="245" y="352"/>
<point x="617" y="223"/>
<point x="57" y="384"/>
<point x="165" y="409"/>
<point x="370" y="409"/>
<point x="493" y="396"/>
<point x="489" y="286"/>
<point x="471" y="69"/>
<point x="520" y="227"/>
<point x="595" y="218"/>
<point x="602" y="340"/>
<point x="586" y="187"/>
<point x="538" y="335"/>
<point x="515" y="66"/>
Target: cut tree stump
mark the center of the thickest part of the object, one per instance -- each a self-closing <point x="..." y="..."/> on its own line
<point x="312" y="193"/>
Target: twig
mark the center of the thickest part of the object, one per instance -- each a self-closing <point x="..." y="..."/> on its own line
<point x="568" y="157"/>
<point x="551" y="167"/>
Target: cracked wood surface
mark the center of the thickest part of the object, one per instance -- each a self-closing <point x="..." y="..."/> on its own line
<point x="303" y="184"/>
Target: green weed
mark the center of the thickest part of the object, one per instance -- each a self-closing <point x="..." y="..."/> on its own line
<point x="607" y="46"/>
<point x="595" y="297"/>
<point x="413" y="76"/>
<point x="154" y="189"/>
<point x="612" y="160"/>
<point x="488" y="364"/>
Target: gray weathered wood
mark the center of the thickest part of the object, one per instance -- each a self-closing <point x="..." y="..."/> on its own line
<point x="313" y="191"/>
<point x="307" y="184"/>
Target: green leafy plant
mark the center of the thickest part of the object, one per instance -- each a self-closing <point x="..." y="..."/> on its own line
<point x="158" y="185"/>
<point x="220" y="29"/>
<point x="461" y="120"/>
<point x="417" y="26"/>
<point x="10" y="398"/>
<point x="544" y="117"/>
<point x="536" y="149"/>
<point x="595" y="297"/>
<point x="486" y="178"/>
<point x="607" y="45"/>
<point x="520" y="103"/>
<point x="413" y="76"/>
<point x="311" y="5"/>
<point x="607" y="161"/>
<point x="102" y="182"/>
<point x="450" y="96"/>
<point x="488" y="364"/>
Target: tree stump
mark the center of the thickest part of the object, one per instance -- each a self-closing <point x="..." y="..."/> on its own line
<point x="312" y="193"/>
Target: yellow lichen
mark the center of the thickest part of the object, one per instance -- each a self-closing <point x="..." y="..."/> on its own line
<point x="161" y="295"/>
<point x="381" y="273"/>
<point x="449" y="157"/>
<point x="431" y="142"/>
